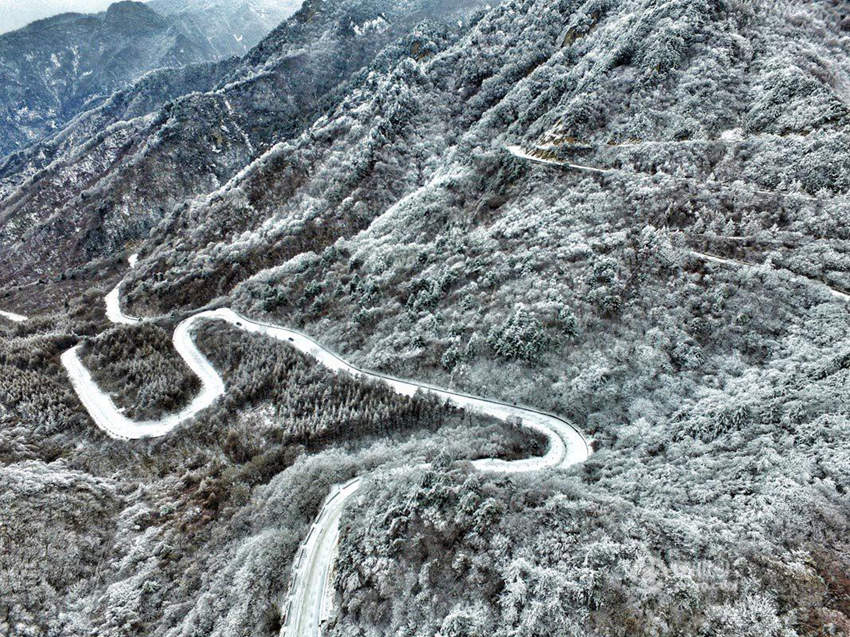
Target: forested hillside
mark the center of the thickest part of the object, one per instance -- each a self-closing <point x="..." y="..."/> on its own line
<point x="627" y="212"/>
<point x="102" y="536"/>
<point x="101" y="193"/>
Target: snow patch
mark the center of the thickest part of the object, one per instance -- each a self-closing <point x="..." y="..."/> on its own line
<point x="732" y="135"/>
<point x="376" y="25"/>
<point x="11" y="316"/>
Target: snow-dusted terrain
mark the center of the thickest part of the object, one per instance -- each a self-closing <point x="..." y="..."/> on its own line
<point x="308" y="600"/>
<point x="631" y="214"/>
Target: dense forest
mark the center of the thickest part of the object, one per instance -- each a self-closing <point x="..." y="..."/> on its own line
<point x="138" y="365"/>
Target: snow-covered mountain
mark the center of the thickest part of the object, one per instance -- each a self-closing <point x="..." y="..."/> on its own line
<point x="200" y="141"/>
<point x="631" y="213"/>
<point x="230" y="27"/>
<point x="56" y="68"/>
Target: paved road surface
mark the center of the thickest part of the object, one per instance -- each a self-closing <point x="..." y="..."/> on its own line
<point x="566" y="445"/>
<point x="310" y="600"/>
<point x="518" y="151"/>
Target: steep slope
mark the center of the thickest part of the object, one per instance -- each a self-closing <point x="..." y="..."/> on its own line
<point x="719" y="128"/>
<point x="662" y="257"/>
<point x="430" y="167"/>
<point x="97" y="196"/>
<point x="557" y="86"/>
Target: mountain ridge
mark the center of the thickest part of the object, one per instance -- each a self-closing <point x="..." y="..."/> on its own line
<point x="247" y="108"/>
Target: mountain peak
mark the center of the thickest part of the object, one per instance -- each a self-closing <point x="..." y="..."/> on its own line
<point x="133" y="16"/>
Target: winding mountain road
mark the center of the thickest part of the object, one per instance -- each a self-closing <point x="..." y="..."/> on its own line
<point x="566" y="445"/>
<point x="522" y="153"/>
<point x="838" y="294"/>
<point x="310" y="599"/>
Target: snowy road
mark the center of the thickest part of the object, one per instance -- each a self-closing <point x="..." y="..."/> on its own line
<point x="113" y="309"/>
<point x="566" y="445"/>
<point x="310" y="602"/>
<point x="838" y="294"/>
<point x="518" y="151"/>
<point x="521" y="153"/>
<point x="11" y="316"/>
<point x="310" y="599"/>
<point x="110" y="419"/>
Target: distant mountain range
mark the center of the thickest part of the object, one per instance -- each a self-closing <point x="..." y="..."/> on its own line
<point x="54" y="69"/>
<point x="228" y="27"/>
<point x="118" y="170"/>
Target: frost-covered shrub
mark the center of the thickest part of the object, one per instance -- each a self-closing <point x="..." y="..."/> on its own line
<point x="521" y="337"/>
<point x="568" y="322"/>
<point x="451" y="357"/>
<point x="605" y="289"/>
<point x="427" y="292"/>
